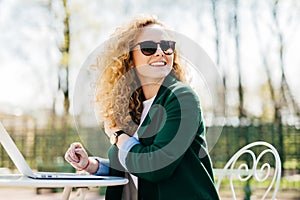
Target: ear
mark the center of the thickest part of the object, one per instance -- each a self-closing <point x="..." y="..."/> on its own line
<point x="131" y="62"/>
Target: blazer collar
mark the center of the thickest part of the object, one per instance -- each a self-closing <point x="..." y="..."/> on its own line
<point x="168" y="81"/>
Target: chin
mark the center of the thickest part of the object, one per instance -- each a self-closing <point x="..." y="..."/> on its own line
<point x="154" y="72"/>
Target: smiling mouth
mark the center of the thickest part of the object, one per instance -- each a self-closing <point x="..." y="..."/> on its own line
<point x="158" y="64"/>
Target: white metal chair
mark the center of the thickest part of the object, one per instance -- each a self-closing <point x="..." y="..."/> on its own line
<point x="260" y="172"/>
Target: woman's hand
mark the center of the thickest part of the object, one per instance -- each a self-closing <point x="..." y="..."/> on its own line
<point x="78" y="158"/>
<point x="110" y="130"/>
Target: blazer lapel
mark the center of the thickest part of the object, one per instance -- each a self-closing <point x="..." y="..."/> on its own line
<point x="154" y="117"/>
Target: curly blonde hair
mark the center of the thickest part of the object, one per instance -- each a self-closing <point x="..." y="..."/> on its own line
<point x="119" y="95"/>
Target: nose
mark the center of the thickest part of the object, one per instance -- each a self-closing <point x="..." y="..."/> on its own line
<point x="159" y="51"/>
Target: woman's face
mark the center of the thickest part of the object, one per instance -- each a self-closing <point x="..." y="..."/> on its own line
<point x="153" y="67"/>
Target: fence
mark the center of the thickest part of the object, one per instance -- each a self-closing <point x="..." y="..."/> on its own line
<point x="42" y="146"/>
<point x="233" y="138"/>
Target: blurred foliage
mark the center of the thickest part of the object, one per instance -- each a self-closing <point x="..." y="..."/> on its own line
<point x="49" y="145"/>
<point x="46" y="146"/>
<point x="234" y="138"/>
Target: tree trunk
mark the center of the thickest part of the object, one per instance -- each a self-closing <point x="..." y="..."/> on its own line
<point x="241" y="110"/>
<point x="65" y="50"/>
<point x="222" y="109"/>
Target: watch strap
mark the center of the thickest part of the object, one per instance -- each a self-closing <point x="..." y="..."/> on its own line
<point x="119" y="132"/>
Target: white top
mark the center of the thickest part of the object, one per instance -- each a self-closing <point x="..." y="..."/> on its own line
<point x="147" y="104"/>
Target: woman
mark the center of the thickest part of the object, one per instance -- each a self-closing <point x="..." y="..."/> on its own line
<point x="152" y="117"/>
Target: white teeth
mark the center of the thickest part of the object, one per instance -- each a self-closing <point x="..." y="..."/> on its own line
<point x="158" y="63"/>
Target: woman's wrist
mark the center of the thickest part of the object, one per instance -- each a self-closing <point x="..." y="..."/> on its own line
<point x="85" y="166"/>
<point x="91" y="166"/>
<point x="121" y="139"/>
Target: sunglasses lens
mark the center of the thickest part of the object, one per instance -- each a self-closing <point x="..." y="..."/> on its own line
<point x="167" y="47"/>
<point x="148" y="47"/>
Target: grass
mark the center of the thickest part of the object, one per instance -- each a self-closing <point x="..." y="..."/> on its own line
<point x="288" y="190"/>
<point x="285" y="183"/>
<point x="292" y="164"/>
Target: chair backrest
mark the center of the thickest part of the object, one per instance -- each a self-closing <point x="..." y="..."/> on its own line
<point x="244" y="172"/>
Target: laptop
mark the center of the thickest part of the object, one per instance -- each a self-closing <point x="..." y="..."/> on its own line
<point x="21" y="164"/>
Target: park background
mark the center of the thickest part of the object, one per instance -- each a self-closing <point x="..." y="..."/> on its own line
<point x="254" y="44"/>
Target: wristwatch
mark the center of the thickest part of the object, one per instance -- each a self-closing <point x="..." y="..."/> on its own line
<point x="114" y="137"/>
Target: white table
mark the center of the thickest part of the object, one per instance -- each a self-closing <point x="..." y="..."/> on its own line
<point x="17" y="180"/>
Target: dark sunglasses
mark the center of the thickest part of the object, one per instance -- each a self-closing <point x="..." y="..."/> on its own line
<point x="148" y="48"/>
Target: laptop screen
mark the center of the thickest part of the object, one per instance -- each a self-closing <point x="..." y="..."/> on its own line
<point x="14" y="153"/>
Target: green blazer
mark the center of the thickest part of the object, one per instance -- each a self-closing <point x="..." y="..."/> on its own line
<point x="171" y="161"/>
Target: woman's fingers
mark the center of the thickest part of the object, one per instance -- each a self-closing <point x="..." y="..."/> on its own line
<point x="80" y="152"/>
<point x="71" y="157"/>
<point x="77" y="156"/>
<point x="74" y="146"/>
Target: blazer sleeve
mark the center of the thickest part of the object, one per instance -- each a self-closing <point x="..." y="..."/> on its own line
<point x="171" y="125"/>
